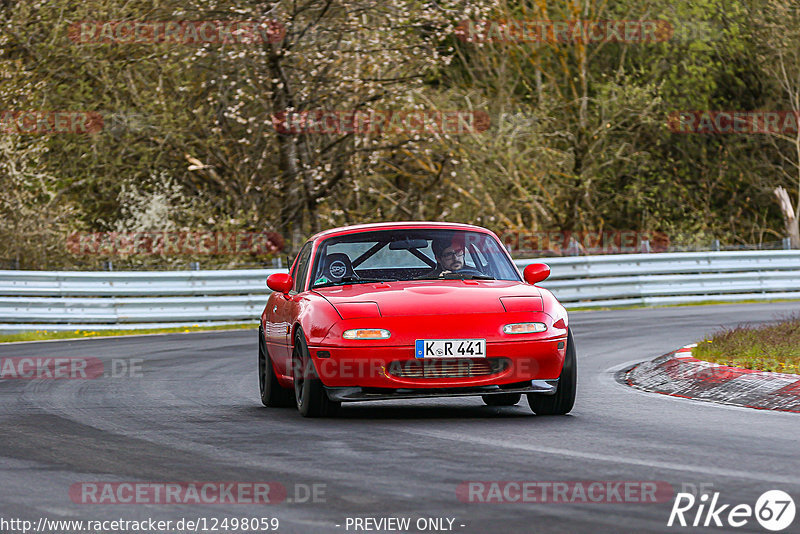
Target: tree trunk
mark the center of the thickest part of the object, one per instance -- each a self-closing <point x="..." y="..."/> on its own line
<point x="290" y="160"/>
<point x="790" y="219"/>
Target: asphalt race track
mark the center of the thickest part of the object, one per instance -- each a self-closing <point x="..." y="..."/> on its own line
<point x="193" y="414"/>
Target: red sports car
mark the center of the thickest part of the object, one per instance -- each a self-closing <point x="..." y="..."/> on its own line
<point x="411" y="310"/>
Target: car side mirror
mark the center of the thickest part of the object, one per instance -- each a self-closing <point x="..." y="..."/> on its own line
<point x="280" y="282"/>
<point x="536" y="272"/>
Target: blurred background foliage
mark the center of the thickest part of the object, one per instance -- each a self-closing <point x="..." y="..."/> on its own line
<point x="577" y="140"/>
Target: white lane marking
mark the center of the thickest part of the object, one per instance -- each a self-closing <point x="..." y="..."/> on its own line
<point x="694" y="469"/>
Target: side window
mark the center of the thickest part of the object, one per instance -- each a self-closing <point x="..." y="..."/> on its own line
<point x="301" y="269"/>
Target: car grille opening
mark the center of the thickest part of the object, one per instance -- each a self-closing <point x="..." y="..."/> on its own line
<point x="447" y="368"/>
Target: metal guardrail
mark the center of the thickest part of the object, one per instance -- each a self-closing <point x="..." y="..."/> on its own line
<point x="66" y="300"/>
<point x="31" y="300"/>
<point x="653" y="279"/>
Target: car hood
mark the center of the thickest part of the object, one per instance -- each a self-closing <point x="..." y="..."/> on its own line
<point x="396" y="299"/>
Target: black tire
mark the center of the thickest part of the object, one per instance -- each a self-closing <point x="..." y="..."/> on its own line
<point x="272" y="393"/>
<point x="564" y="399"/>
<point x="502" y="399"/>
<point x="309" y="393"/>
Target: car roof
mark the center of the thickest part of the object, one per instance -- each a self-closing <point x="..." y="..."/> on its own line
<point x="395" y="226"/>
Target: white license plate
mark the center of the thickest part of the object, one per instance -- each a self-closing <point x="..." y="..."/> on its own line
<point x="450" y="348"/>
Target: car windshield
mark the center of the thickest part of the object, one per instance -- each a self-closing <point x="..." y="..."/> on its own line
<point x="410" y="254"/>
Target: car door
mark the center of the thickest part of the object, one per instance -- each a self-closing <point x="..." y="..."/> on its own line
<point x="285" y="309"/>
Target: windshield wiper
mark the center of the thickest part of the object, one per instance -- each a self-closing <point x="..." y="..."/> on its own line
<point x="459" y="276"/>
<point x="347" y="280"/>
<point x="455" y="275"/>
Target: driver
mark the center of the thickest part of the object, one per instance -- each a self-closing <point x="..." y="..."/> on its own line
<point x="449" y="254"/>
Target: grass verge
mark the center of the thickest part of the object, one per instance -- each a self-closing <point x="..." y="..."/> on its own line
<point x="683" y="304"/>
<point x="43" y="335"/>
<point x="773" y="347"/>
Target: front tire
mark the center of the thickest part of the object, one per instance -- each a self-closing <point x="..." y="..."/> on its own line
<point x="564" y="399"/>
<point x="272" y="393"/>
<point x="310" y="396"/>
<point x="502" y="399"/>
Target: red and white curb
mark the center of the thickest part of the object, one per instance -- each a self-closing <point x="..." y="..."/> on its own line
<point x="680" y="375"/>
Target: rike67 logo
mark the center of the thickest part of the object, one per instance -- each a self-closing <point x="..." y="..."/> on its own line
<point x="774" y="510"/>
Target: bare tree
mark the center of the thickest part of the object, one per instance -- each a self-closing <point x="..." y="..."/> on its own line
<point x="361" y="55"/>
<point x="780" y="28"/>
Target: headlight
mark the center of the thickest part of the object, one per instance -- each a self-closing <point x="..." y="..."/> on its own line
<point x="524" y="328"/>
<point x="367" y="333"/>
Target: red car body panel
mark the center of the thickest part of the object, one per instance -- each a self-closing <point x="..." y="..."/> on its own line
<point x="412" y="310"/>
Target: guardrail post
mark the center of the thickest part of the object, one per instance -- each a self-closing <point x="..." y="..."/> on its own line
<point x="109" y="266"/>
<point x="195" y="265"/>
<point x="715" y="245"/>
<point x="787" y="243"/>
<point x="644" y="246"/>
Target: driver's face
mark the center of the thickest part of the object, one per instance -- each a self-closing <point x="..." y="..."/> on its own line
<point x="452" y="258"/>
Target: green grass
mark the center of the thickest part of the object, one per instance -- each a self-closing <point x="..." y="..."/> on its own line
<point x="41" y="335"/>
<point x="774" y="347"/>
<point x="699" y="303"/>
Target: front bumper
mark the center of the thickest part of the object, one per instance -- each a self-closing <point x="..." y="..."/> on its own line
<point x="393" y="364"/>
<point x="355" y="394"/>
<point x="393" y="368"/>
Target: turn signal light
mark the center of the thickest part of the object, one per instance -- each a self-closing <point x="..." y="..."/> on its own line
<point x="367" y="333"/>
<point x="524" y="328"/>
